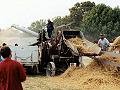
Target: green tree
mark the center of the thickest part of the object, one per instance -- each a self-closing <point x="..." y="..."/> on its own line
<point x="79" y="10"/>
<point x="102" y="19"/>
<point x="37" y="25"/>
<point x="76" y="14"/>
<point x="57" y="21"/>
<point x="90" y="18"/>
<point x="61" y="20"/>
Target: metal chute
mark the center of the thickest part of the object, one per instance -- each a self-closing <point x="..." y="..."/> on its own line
<point x="25" y="30"/>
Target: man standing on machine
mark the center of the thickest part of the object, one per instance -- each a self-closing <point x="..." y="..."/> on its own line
<point x="50" y="28"/>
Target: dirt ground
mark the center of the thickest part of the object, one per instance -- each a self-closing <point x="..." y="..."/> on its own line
<point x="92" y="77"/>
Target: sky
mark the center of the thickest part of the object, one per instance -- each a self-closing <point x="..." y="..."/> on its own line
<point x="24" y="12"/>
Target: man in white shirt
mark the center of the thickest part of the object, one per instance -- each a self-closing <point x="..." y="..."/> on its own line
<point x="103" y="43"/>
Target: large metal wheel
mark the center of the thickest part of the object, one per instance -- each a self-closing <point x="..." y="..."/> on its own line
<point x="50" y="70"/>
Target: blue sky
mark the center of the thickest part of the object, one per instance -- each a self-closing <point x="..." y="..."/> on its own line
<point x="23" y="12"/>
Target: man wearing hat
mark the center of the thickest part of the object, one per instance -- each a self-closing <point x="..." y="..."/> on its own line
<point x="103" y="43"/>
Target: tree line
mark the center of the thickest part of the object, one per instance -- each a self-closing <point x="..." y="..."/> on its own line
<point x="90" y="18"/>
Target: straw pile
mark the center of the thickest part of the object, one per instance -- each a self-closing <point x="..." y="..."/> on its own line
<point x="80" y="44"/>
<point x="115" y="45"/>
<point x="93" y="77"/>
<point x="84" y="46"/>
<point x="117" y="41"/>
<point x="77" y="41"/>
<point x="110" y="58"/>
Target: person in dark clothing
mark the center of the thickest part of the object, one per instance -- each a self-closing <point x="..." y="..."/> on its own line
<point x="4" y="44"/>
<point x="50" y="28"/>
<point x="16" y="44"/>
<point x="44" y="37"/>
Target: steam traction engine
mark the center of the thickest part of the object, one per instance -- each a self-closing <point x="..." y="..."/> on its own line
<point x="62" y="53"/>
<point x="55" y="54"/>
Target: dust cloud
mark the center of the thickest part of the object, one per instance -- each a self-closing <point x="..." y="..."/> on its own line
<point x="12" y="36"/>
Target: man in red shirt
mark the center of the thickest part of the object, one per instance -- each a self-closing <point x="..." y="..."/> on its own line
<point x="12" y="72"/>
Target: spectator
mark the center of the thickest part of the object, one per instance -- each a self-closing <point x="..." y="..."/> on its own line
<point x="12" y="73"/>
<point x="4" y="44"/>
<point x="16" y="44"/>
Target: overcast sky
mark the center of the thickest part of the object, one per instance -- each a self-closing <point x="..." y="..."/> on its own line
<point x="24" y="12"/>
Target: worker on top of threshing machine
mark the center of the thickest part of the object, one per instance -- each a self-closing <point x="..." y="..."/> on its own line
<point x="58" y="37"/>
<point x="50" y="28"/>
<point x="103" y="43"/>
<point x="12" y="72"/>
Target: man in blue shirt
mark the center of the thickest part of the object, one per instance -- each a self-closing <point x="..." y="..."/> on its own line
<point x="50" y="28"/>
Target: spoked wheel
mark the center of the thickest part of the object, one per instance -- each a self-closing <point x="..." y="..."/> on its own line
<point x="50" y="70"/>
